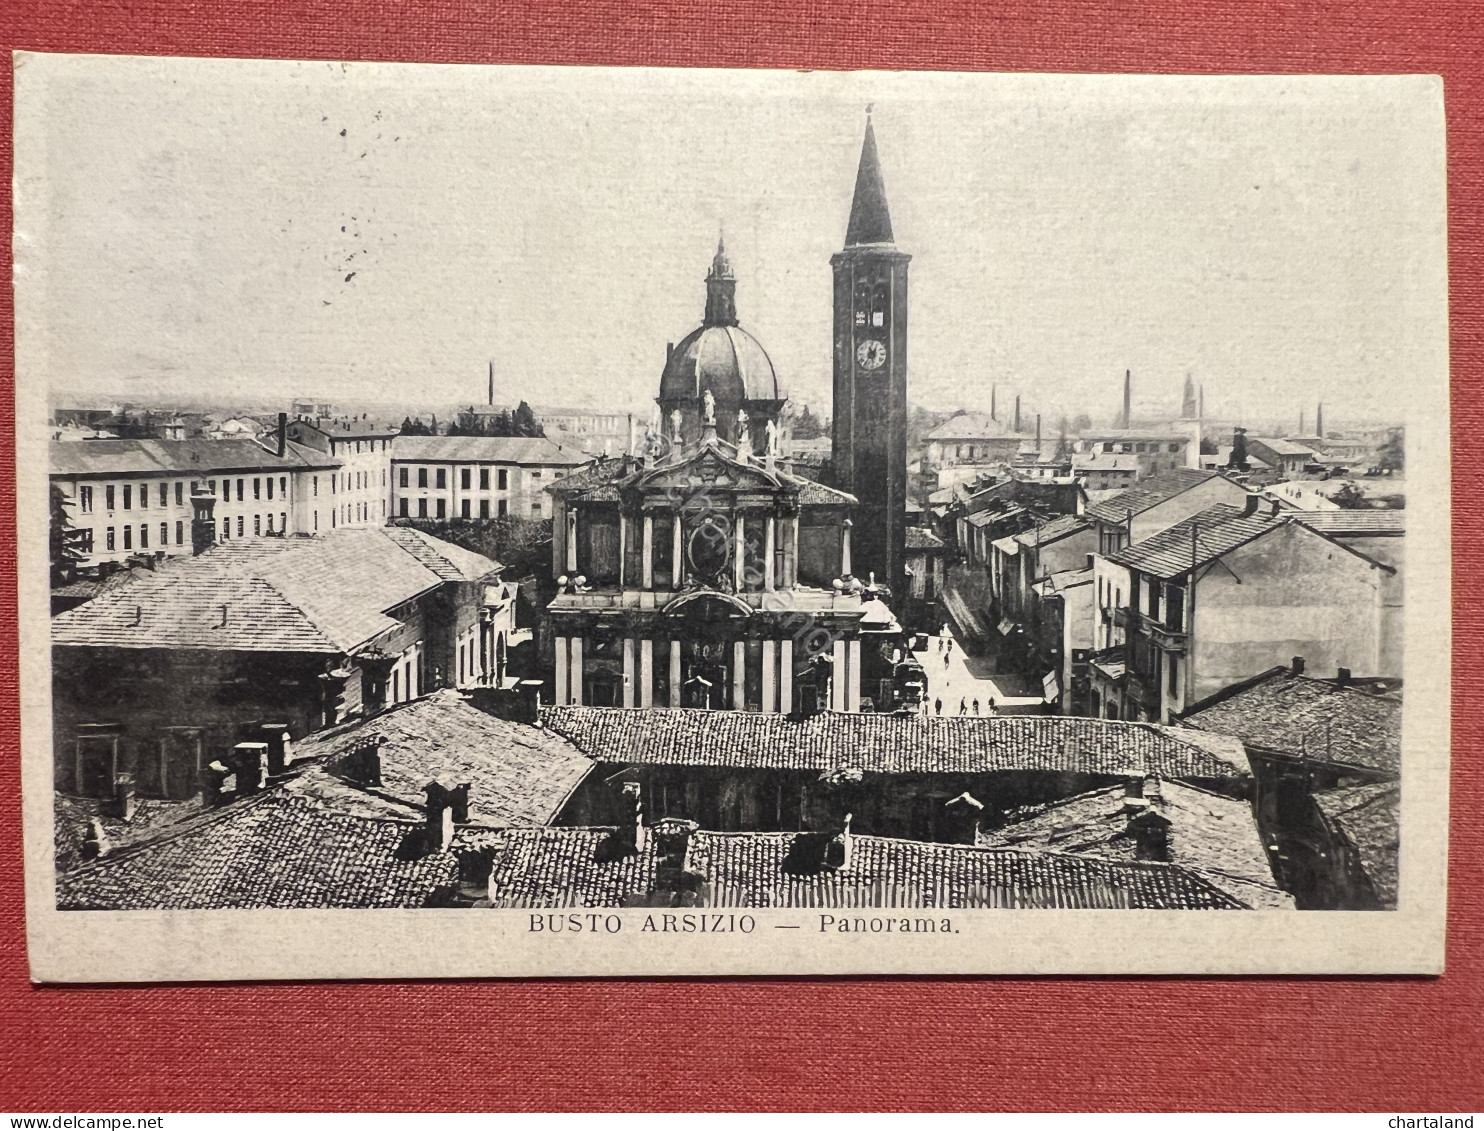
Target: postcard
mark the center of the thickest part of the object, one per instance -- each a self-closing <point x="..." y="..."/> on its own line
<point x="509" y="521"/>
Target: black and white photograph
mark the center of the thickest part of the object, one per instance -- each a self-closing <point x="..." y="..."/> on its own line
<point x="507" y="520"/>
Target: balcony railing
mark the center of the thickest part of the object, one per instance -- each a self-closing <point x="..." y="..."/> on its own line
<point x="1162" y="636"/>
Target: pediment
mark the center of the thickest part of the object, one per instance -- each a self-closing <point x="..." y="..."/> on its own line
<point x="709" y="469"/>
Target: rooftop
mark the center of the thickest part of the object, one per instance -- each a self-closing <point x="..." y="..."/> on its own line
<point x="1149" y="493"/>
<point x="518" y="774"/>
<point x="198" y="457"/>
<point x="974" y="426"/>
<point x="1214" y="836"/>
<point x="921" y="538"/>
<point x="528" y="451"/>
<point x="890" y="744"/>
<point x="1356" y="523"/>
<point x="1300" y="715"/>
<point x="1062" y="526"/>
<point x="1368" y="817"/>
<point x="1281" y="447"/>
<point x="327" y="593"/>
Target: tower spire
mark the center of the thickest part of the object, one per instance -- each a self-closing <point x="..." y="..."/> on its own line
<point x="870" y="220"/>
<point x="721" y="288"/>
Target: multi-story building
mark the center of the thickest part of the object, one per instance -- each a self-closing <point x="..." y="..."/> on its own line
<point x="360" y="492"/>
<point x="1225" y="594"/>
<point x="972" y="440"/>
<point x="1153" y="505"/>
<point x="474" y="477"/>
<point x="128" y="497"/>
<point x="1153" y="452"/>
<point x="161" y="675"/>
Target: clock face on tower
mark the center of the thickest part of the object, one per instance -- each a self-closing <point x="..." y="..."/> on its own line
<point x="870" y="354"/>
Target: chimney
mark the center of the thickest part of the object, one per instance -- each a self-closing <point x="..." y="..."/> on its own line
<point x="1017" y="414"/>
<point x="1319" y="420"/>
<point x="250" y="764"/>
<point x="1038" y="435"/>
<point x="1298" y="666"/>
<point x="203" y="520"/>
<point x="96" y="843"/>
<point x="280" y="746"/>
<point x="283" y="433"/>
<point x="1134" y="800"/>
<point x="963" y="814"/>
<point x="841" y="848"/>
<point x="631" y="831"/>
<point x="1091" y="559"/>
<point x="992" y="414"/>
<point x="364" y="761"/>
<point x="213" y="784"/>
<point x="1275" y="506"/>
<point x="1150" y="831"/>
<point x="1343" y="678"/>
<point x="125" y="800"/>
<point x="1128" y="396"/>
<point x="438" y="826"/>
<point x="633" y="451"/>
<point x="1249" y="504"/>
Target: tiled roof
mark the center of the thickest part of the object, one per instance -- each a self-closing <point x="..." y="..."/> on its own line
<point x="1368" y="816"/>
<point x="1062" y="526"/>
<point x="275" y="850"/>
<point x="1212" y="835"/>
<point x="550" y="867"/>
<point x="921" y="538"/>
<point x="199" y="457"/>
<point x="889" y="744"/>
<point x="1203" y="538"/>
<point x="1064" y="579"/>
<point x="782" y="870"/>
<point x="533" y="451"/>
<point x="518" y="774"/>
<point x="974" y="426"/>
<point x="1296" y="714"/>
<point x="1342" y="523"/>
<point x="449" y="562"/>
<point x="1281" y="447"/>
<point x="1149" y="493"/>
<point x="328" y="593"/>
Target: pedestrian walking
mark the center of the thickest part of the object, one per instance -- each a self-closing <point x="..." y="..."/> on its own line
<point x="976" y="706"/>
<point x="950" y="644"/>
<point x="938" y="706"/>
<point x="963" y="707"/>
<point x="992" y="709"/>
<point x="945" y="663"/>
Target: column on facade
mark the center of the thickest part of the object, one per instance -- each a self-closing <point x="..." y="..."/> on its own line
<point x="677" y="566"/>
<point x="853" y="682"/>
<point x="646" y="673"/>
<point x="770" y="670"/>
<point x="785" y="676"/>
<point x="623" y="551"/>
<point x="791" y="563"/>
<point x="739" y="554"/>
<point x="560" y="695"/>
<point x="674" y="673"/>
<point x="769" y="547"/>
<point x="648" y="579"/>
<point x="630" y="674"/>
<point x="845" y="563"/>
<point x="739" y="675"/>
<point x="838" y="677"/>
<point x="571" y="540"/>
<point x="576" y="672"/>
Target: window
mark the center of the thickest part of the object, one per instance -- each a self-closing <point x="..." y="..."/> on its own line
<point x="240" y="521"/>
<point x="180" y="529"/>
<point x="484" y="508"/>
<point x="257" y="488"/>
<point x="1174" y="450"/>
<point x="401" y="477"/>
<point x="422" y="508"/>
<point x="536" y="508"/>
<point x="108" y="499"/>
<point x="211" y="486"/>
<point x="463" y="508"/>
<point x="1153" y="605"/>
<point x="442" y="508"/>
<point x="226" y="528"/>
<point x="269" y="528"/>
<point x="164" y="534"/>
<point x="144" y="496"/>
<point x="484" y="479"/>
<point x="504" y="479"/>
<point x="241" y="483"/>
<point x="422" y="477"/>
<point x="108" y="535"/>
<point x="270" y="486"/>
<point x="402" y="507"/>
<point x="314" y="486"/>
<point x="164" y="494"/>
<point x="283" y="487"/>
<point x="144" y="536"/>
<point x="396" y="685"/>
<point x="535" y="474"/>
<point x="128" y="535"/>
<point x="283" y="521"/>
<point x="504" y="508"/>
<point x="442" y="479"/>
<point x="463" y="478"/>
<point x="85" y="499"/>
<point x="85" y="540"/>
<point x="128" y="497"/>
<point x="383" y="477"/>
<point x="1174" y="682"/>
<point x="257" y="525"/>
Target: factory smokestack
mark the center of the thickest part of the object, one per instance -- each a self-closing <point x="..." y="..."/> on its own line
<point x="1128" y="396"/>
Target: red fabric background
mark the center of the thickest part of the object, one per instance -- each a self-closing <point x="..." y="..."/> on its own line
<point x="1341" y="1044"/>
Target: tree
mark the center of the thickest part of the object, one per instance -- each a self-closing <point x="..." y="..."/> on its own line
<point x="1238" y="457"/>
<point x="1208" y="447"/>
<point x="1350" y="498"/>
<point x="524" y="422"/>
<point x="807" y="426"/>
<point x="66" y="542"/>
<point x="1081" y="423"/>
<point x="411" y="427"/>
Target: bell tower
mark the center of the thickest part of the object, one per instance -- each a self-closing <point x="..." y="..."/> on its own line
<point x="870" y="375"/>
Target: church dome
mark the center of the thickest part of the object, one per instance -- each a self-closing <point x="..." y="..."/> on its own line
<point x="725" y="359"/>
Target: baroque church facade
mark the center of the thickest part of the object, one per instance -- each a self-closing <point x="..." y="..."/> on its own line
<point x="704" y="573"/>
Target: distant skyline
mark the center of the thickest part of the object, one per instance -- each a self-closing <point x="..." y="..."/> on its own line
<point x="374" y="233"/>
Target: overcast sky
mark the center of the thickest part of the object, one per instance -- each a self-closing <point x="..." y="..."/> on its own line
<point x="381" y="232"/>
